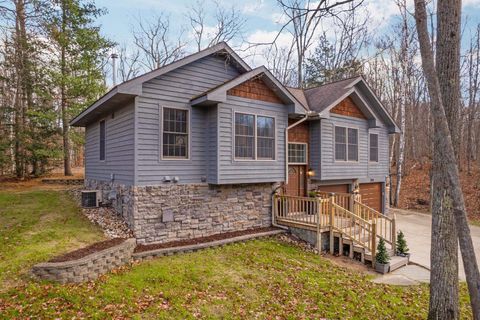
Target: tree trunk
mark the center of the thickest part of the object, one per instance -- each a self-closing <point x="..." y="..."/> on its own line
<point x="446" y="165"/>
<point x="66" y="128"/>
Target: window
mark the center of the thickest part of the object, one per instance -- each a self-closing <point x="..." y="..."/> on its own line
<point x="254" y="137"/>
<point x="244" y="136"/>
<point x="265" y="138"/>
<point x="102" y="140"/>
<point x="341" y="143"/>
<point x="352" y="144"/>
<point x="175" y="133"/>
<point x="346" y="144"/>
<point x="297" y="153"/>
<point x="374" y="147"/>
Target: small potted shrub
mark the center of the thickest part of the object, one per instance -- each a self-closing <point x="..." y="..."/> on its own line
<point x="312" y="206"/>
<point x="402" y="248"/>
<point x="382" y="258"/>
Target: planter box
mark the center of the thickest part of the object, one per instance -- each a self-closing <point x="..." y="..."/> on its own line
<point x="87" y="268"/>
<point x="382" y="268"/>
<point x="405" y="255"/>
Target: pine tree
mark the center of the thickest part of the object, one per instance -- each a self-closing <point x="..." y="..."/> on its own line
<point x="382" y="254"/>
<point x="402" y="247"/>
<point x="77" y="66"/>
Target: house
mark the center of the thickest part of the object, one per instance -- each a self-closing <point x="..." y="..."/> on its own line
<point x="197" y="147"/>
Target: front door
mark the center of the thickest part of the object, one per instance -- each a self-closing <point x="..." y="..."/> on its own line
<point x="296" y="185"/>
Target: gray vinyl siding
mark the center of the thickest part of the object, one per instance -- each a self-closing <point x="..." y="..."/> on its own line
<point x="380" y="169"/>
<point x="119" y="147"/>
<point x="212" y="136"/>
<point x="250" y="171"/>
<point x="176" y="89"/>
<point x="314" y="146"/>
<point x="363" y="169"/>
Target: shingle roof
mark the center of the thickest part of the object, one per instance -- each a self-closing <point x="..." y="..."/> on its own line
<point x="300" y="95"/>
<point x="320" y="98"/>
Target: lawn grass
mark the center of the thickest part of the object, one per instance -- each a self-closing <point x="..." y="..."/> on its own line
<point x="260" y="279"/>
<point x="35" y="226"/>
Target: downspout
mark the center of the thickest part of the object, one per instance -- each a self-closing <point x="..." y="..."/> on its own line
<point x="307" y="115"/>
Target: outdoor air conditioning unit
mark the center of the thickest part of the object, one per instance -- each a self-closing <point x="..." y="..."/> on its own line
<point x="91" y="198"/>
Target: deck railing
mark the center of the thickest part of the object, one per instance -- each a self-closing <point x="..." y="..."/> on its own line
<point x="362" y="225"/>
<point x="304" y="210"/>
<point x="353" y="227"/>
<point x="342" y="199"/>
<point x="386" y="226"/>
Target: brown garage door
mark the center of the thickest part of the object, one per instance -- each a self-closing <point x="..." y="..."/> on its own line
<point x="372" y="195"/>
<point x="341" y="188"/>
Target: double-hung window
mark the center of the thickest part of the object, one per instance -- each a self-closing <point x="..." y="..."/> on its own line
<point x="346" y="144"/>
<point x="102" y="140"/>
<point x="175" y="133"/>
<point x="373" y="147"/>
<point x="254" y="137"/>
<point x="265" y="138"/>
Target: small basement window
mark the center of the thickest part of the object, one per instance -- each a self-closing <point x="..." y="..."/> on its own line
<point x="102" y="140"/>
<point x="175" y="133"/>
<point x="297" y="153"/>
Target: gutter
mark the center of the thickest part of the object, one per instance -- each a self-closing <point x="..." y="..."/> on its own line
<point x="310" y="114"/>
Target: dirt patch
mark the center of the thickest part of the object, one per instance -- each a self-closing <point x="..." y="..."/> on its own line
<point x="83" y="252"/>
<point x="187" y="242"/>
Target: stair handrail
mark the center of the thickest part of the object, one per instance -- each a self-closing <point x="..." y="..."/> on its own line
<point x="367" y="229"/>
<point x="382" y="231"/>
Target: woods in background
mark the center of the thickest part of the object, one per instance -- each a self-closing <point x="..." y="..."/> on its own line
<point x="54" y="63"/>
<point x="51" y="67"/>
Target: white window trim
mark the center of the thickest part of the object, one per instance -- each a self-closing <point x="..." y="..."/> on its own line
<point x="189" y="120"/>
<point x="346" y="143"/>
<point x="306" y="154"/>
<point x="99" y="141"/>
<point x="378" y="148"/>
<point x="255" y="158"/>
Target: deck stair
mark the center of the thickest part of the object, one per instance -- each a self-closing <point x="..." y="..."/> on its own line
<point x="347" y="220"/>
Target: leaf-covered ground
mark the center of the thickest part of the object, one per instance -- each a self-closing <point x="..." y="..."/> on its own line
<point x="261" y="279"/>
<point x="415" y="191"/>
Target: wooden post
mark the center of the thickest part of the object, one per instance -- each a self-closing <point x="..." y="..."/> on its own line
<point x="319" y="235"/>
<point x="374" y="243"/>
<point x="352" y="203"/>
<point x="332" y="222"/>
<point x="394" y="234"/>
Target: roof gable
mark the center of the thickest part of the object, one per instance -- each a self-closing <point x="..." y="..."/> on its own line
<point x="324" y="98"/>
<point x="348" y="108"/>
<point x="133" y="87"/>
<point x="255" y="89"/>
<point x="219" y="94"/>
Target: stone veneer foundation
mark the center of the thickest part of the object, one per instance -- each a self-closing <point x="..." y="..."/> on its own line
<point x="172" y="212"/>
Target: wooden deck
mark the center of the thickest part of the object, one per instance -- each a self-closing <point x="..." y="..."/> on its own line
<point x="361" y="229"/>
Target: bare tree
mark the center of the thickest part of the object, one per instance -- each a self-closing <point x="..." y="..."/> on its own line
<point x="129" y="63"/>
<point x="303" y="20"/>
<point x="229" y="25"/>
<point x="446" y="195"/>
<point x="156" y="43"/>
<point x="279" y="62"/>
<point x="473" y="88"/>
<point x="337" y="54"/>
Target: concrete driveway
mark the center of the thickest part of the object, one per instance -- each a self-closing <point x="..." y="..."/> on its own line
<point x="417" y="229"/>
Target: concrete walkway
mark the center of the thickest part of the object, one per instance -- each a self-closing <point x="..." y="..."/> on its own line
<point x="405" y="276"/>
<point x="417" y="229"/>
